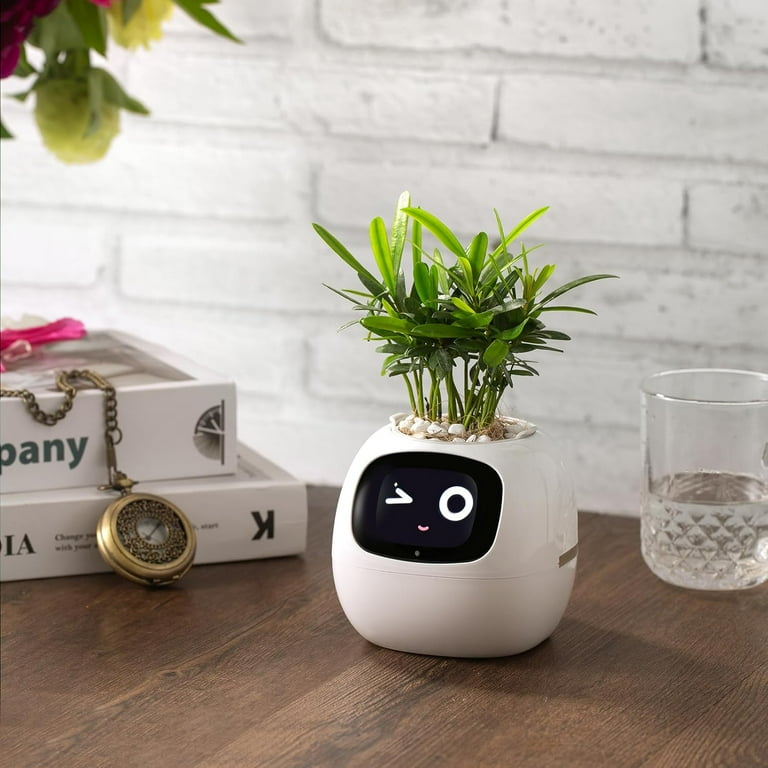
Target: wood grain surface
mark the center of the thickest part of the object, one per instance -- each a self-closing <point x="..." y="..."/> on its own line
<point x="254" y="664"/>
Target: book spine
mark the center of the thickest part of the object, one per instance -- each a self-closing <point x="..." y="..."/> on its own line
<point x="46" y="537"/>
<point x="177" y="430"/>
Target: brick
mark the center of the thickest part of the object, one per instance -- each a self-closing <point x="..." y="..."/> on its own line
<point x="47" y="247"/>
<point x="605" y="465"/>
<point x="248" y="269"/>
<point x="655" y="30"/>
<point x="361" y="381"/>
<point x="194" y="177"/>
<point x="736" y="33"/>
<point x="206" y="90"/>
<point x="203" y="270"/>
<point x="223" y="90"/>
<point x="729" y="217"/>
<point x="597" y="380"/>
<point x="262" y="353"/>
<point x="583" y="208"/>
<point x="92" y="306"/>
<point x="725" y="309"/>
<point x="391" y="104"/>
<point x="636" y="117"/>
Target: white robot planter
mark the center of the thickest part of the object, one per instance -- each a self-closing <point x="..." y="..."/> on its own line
<point x="455" y="549"/>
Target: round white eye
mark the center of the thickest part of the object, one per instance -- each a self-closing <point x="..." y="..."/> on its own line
<point x="448" y="494"/>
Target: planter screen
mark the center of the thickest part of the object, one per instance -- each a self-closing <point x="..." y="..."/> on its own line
<point x="429" y="507"/>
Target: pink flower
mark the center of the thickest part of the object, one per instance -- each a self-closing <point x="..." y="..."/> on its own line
<point x="16" y="20"/>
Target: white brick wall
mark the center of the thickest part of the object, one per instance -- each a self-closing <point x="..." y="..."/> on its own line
<point x="642" y="125"/>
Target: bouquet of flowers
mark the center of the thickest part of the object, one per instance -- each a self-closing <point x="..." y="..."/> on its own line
<point x="77" y="104"/>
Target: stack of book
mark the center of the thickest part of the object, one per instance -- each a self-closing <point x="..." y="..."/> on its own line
<point x="178" y="424"/>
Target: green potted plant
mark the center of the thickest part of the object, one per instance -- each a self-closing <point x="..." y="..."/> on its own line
<point x="460" y="331"/>
<point x="456" y="528"/>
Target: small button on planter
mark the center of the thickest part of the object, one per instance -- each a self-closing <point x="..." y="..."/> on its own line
<point x="455" y="549"/>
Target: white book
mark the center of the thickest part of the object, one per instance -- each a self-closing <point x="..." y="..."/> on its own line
<point x="259" y="512"/>
<point x="177" y="418"/>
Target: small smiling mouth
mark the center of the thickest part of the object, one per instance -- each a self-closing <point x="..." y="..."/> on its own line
<point x="423" y="528"/>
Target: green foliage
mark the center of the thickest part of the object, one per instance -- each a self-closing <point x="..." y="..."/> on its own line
<point x="458" y="331"/>
<point x="69" y="34"/>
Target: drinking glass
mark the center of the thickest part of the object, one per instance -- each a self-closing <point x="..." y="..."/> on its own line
<point x="704" y="515"/>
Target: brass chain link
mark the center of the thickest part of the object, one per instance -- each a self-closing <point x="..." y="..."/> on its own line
<point x="65" y="383"/>
<point x="37" y="413"/>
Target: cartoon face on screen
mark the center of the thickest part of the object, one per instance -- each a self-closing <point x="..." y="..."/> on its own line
<point x="426" y="507"/>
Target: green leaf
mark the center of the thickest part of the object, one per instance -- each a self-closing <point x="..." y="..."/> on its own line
<point x="542" y="277"/>
<point x="95" y="101"/>
<point x="524" y="347"/>
<point x="563" y="308"/>
<point x="389" y="362"/>
<point x="114" y="93"/>
<point x="400" y="369"/>
<point x="91" y="21"/>
<point x="392" y="348"/>
<point x="202" y="16"/>
<point x="387" y="325"/>
<point x="508" y="306"/>
<point x="56" y="32"/>
<point x="425" y="288"/>
<point x="477" y="252"/>
<point x="349" y="259"/>
<point x="399" y="231"/>
<point x="570" y="286"/>
<point x="495" y="353"/>
<point x="462" y="305"/>
<point x="512" y="333"/>
<point x="345" y="295"/>
<point x="440" y="273"/>
<point x="559" y="335"/>
<point x="441" y="360"/>
<point x="441" y="331"/>
<point x="4" y="132"/>
<point x="416" y="241"/>
<point x="438" y="229"/>
<point x="466" y="268"/>
<point x="521" y="227"/>
<point x="372" y="285"/>
<point x="381" y="253"/>
<point x="436" y="277"/>
<point x="479" y="320"/>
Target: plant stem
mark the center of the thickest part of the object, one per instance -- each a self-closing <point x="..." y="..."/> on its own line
<point x="409" y="387"/>
<point x="419" y="376"/>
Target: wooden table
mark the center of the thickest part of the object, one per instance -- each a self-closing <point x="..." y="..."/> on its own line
<point x="253" y="664"/>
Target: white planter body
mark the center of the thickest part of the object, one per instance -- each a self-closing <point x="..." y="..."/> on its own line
<point x="502" y="520"/>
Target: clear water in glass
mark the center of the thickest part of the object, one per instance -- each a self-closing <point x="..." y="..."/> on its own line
<point x="707" y="530"/>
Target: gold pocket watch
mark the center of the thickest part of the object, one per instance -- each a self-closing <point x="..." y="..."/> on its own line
<point x="143" y="537"/>
<point x="146" y="538"/>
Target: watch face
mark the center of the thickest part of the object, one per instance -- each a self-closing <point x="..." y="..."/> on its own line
<point x="150" y="530"/>
<point x="429" y="507"/>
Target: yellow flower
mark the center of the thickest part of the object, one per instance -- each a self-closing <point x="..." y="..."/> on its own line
<point x="62" y="113"/>
<point x="145" y="25"/>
